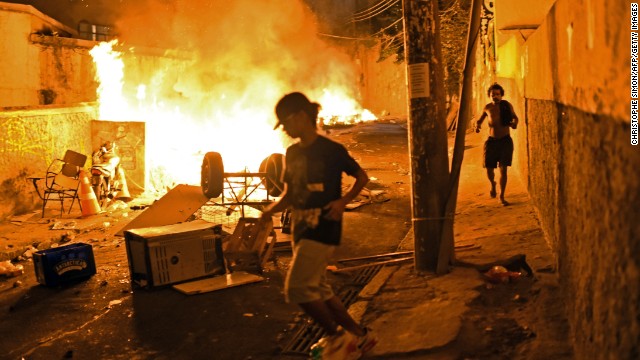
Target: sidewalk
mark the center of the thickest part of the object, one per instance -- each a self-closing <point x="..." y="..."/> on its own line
<point x="459" y="314"/>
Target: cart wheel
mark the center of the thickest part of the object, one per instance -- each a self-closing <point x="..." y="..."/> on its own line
<point x="212" y="174"/>
<point x="273" y="165"/>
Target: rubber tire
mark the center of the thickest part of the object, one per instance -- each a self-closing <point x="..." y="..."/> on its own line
<point x="273" y="165"/>
<point x="212" y="175"/>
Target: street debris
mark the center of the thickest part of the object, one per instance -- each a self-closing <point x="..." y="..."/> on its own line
<point x="549" y="269"/>
<point x="117" y="205"/>
<point x="376" y="256"/>
<point x="514" y="264"/>
<point x="367" y="196"/>
<point x="519" y="298"/>
<point x="217" y="283"/>
<point x="176" y="206"/>
<point x="28" y="253"/>
<point x="64" y="264"/>
<point x="64" y="225"/>
<point x="248" y="247"/>
<point x="20" y="219"/>
<point x="384" y="259"/>
<point x="8" y="269"/>
<point x="500" y="274"/>
<point x="335" y="269"/>
<point x="139" y="207"/>
<point x="392" y="258"/>
<point x="113" y="303"/>
<point x="194" y="249"/>
<point x="66" y="237"/>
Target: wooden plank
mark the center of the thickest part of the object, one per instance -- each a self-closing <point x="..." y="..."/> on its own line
<point x="393" y="254"/>
<point x="175" y="207"/>
<point x="217" y="283"/>
<point x="358" y="267"/>
<point x="377" y="256"/>
<point x="266" y="254"/>
<point x="246" y="246"/>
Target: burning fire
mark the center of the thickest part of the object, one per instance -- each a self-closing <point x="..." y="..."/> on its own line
<point x="193" y="101"/>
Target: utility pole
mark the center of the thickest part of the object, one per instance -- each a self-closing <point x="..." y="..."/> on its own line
<point x="427" y="129"/>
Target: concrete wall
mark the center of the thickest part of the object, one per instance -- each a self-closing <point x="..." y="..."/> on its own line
<point x="47" y="100"/>
<point x="573" y="74"/>
<point x="30" y="141"/>
<point x="382" y="84"/>
<point x="38" y="67"/>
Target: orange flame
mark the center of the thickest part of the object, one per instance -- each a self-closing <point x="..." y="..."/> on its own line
<point x="218" y="93"/>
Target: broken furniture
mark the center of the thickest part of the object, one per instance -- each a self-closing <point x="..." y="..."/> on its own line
<point x="170" y="254"/>
<point x="247" y="247"/>
<point x="61" y="181"/>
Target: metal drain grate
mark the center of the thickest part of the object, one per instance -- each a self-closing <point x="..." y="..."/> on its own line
<point x="365" y="275"/>
<point x="309" y="333"/>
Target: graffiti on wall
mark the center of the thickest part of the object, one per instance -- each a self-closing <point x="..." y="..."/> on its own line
<point x="20" y="141"/>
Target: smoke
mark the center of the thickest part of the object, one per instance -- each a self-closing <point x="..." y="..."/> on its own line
<point x="234" y="54"/>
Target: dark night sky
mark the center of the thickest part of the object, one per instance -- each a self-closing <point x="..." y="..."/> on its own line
<point x="107" y="12"/>
<point x="71" y="12"/>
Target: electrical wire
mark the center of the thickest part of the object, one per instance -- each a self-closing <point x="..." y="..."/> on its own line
<point x="394" y="43"/>
<point x="370" y="37"/>
<point x="382" y="30"/>
<point x="343" y="37"/>
<point x="377" y="13"/>
<point x="370" y="10"/>
<point x="389" y="40"/>
<point x="387" y="7"/>
<point x="449" y="8"/>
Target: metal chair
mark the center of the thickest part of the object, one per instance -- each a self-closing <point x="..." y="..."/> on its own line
<point x="62" y="180"/>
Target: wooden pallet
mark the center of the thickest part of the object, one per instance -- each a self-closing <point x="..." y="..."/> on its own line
<point x="248" y="247"/>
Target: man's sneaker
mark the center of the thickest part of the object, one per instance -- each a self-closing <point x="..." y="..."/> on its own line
<point x="341" y="346"/>
<point x="367" y="342"/>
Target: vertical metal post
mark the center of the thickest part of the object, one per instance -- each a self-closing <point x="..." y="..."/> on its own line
<point x="427" y="129"/>
<point x="447" y="254"/>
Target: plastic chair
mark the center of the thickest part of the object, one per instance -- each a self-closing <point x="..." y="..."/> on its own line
<point x="61" y="181"/>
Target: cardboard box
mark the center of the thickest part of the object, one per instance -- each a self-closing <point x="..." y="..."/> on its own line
<point x="64" y="264"/>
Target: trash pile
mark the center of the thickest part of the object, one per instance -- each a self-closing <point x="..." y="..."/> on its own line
<point x="500" y="274"/>
<point x="8" y="269"/>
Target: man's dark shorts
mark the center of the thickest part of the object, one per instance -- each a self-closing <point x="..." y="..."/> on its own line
<point x="498" y="151"/>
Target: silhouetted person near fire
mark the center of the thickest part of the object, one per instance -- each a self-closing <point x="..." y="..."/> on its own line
<point x="313" y="189"/>
<point x="498" y="149"/>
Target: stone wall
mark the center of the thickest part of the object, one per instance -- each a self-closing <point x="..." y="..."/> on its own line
<point x="600" y="233"/>
<point x="30" y="141"/>
<point x="582" y="172"/>
<point x="542" y="163"/>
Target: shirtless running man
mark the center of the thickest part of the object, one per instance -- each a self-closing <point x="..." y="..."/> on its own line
<point x="499" y="146"/>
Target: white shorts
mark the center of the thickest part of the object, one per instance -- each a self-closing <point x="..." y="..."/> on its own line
<point x="306" y="279"/>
